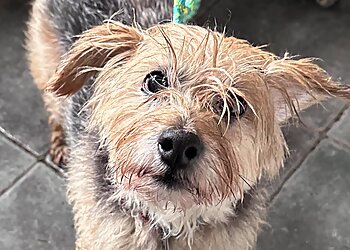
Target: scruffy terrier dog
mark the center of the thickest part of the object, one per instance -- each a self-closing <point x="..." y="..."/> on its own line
<point x="168" y="128"/>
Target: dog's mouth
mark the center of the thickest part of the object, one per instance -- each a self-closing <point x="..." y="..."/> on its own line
<point x="180" y="184"/>
<point x="170" y="180"/>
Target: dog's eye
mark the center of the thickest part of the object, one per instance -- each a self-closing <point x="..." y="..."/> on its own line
<point x="236" y="104"/>
<point x="154" y="82"/>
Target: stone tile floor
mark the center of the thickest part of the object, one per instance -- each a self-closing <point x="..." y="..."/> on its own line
<point x="310" y="203"/>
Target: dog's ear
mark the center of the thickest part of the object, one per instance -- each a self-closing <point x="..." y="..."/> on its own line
<point x="91" y="51"/>
<point x="297" y="84"/>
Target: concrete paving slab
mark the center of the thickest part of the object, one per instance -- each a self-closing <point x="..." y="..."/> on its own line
<point x="22" y="115"/>
<point x="320" y="116"/>
<point x="301" y="136"/>
<point x="341" y="129"/>
<point x="312" y="210"/>
<point x="34" y="214"/>
<point x="13" y="163"/>
<point x="300" y="142"/>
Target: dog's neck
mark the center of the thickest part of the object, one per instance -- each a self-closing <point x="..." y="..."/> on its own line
<point x="164" y="229"/>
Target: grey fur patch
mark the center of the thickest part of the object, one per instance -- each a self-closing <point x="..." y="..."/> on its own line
<point x="72" y="17"/>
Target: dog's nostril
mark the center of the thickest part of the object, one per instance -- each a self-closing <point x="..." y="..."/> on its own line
<point x="166" y="145"/>
<point x="178" y="147"/>
<point x="191" y="153"/>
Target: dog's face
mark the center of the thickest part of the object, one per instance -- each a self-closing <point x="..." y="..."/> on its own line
<point x="188" y="115"/>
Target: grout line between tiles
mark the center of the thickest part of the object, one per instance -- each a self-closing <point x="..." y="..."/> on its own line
<point x="20" y="144"/>
<point x="59" y="171"/>
<point x="321" y="136"/>
<point x="340" y="144"/>
<point x="18" y="178"/>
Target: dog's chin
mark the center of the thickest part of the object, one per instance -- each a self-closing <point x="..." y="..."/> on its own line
<point x="170" y="192"/>
<point x="171" y="182"/>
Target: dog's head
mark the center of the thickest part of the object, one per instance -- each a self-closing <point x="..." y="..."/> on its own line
<point x="188" y="115"/>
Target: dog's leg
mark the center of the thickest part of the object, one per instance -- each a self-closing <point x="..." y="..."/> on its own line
<point x="58" y="147"/>
<point x="44" y="56"/>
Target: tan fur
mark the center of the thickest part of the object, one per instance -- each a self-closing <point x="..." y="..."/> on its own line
<point x="202" y="66"/>
<point x="42" y="45"/>
<point x="44" y="57"/>
<point x="102" y="228"/>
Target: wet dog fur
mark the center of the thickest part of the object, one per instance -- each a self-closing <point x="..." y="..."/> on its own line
<point x="95" y="63"/>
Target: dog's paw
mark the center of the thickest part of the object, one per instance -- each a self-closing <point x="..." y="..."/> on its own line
<point x="59" y="153"/>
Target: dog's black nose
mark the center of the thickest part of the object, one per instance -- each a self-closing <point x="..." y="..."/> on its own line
<point x="178" y="147"/>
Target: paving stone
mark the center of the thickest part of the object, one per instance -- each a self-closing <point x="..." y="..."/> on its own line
<point x="300" y="141"/>
<point x="34" y="214"/>
<point x="21" y="109"/>
<point x="320" y="116"/>
<point x="298" y="26"/>
<point x="312" y="210"/>
<point x="340" y="130"/>
<point x="13" y="163"/>
<point x="301" y="138"/>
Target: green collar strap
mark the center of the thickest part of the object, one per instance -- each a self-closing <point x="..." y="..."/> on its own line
<point x="184" y="10"/>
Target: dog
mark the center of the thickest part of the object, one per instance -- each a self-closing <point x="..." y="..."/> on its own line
<point x="165" y="129"/>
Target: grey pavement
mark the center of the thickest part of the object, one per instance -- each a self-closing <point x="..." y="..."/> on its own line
<point x="34" y="213"/>
<point x="310" y="202"/>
